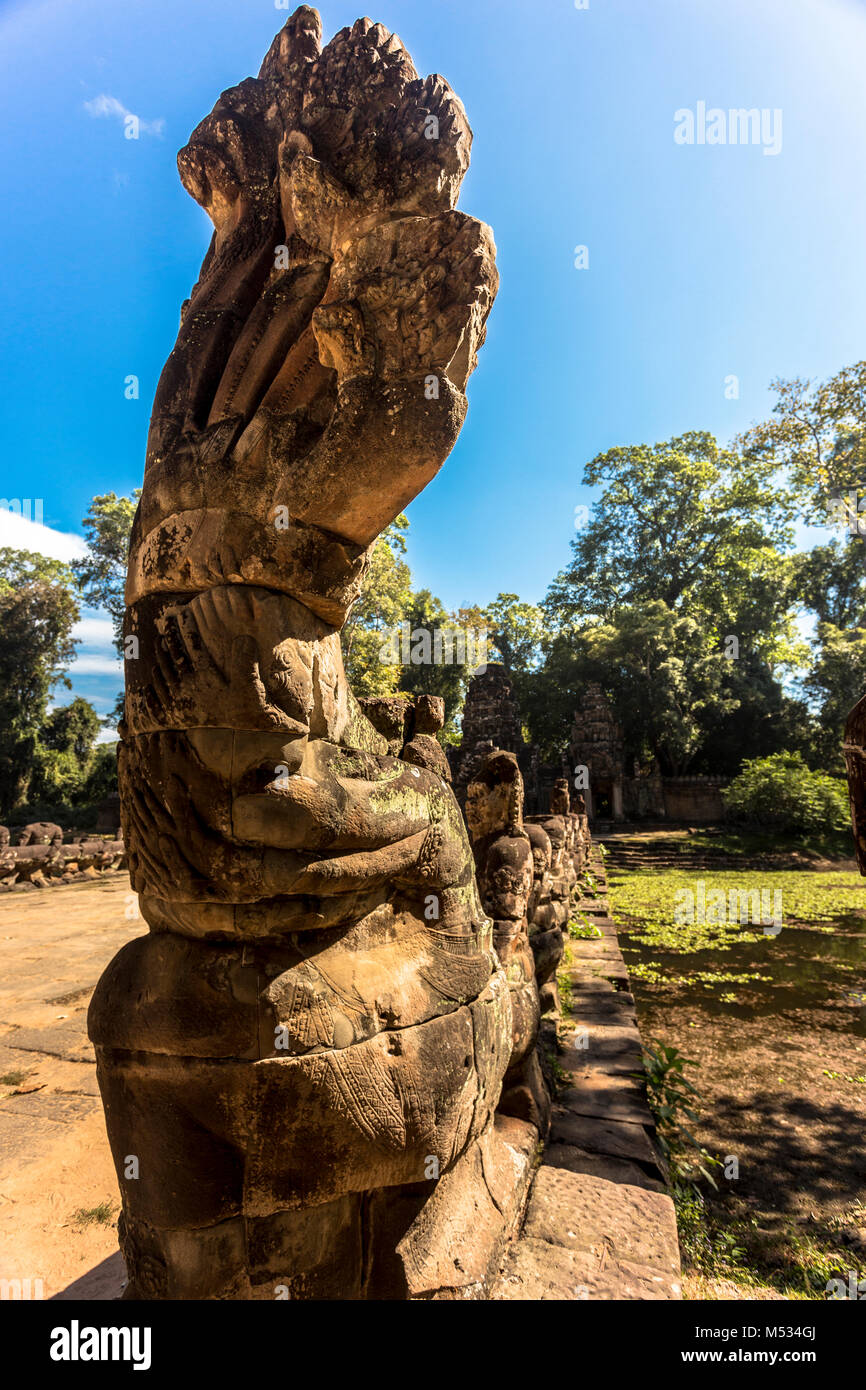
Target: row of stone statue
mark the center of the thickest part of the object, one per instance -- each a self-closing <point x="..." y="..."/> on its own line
<point x="42" y="865"/>
<point x="528" y="870"/>
<point x="42" y="854"/>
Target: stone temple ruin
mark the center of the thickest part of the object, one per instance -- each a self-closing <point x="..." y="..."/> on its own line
<point x="321" y="1067"/>
<point x="491" y="719"/>
<point x="597" y="746"/>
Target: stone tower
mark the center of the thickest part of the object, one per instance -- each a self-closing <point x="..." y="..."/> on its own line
<point x="597" y="745"/>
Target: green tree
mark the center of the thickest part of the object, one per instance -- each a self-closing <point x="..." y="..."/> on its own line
<point x="683" y="522"/>
<point x="664" y="677"/>
<point x="38" y="611"/>
<point x="831" y="582"/>
<point x="64" y="754"/>
<point x="379" y="611"/>
<point x="835" y="683"/>
<point x="761" y="717"/>
<point x="517" y="637"/>
<point x="426" y="617"/>
<point x="517" y="632"/>
<point x="102" y="775"/>
<point x="817" y="436"/>
<point x="101" y="574"/>
<point x="72" y="729"/>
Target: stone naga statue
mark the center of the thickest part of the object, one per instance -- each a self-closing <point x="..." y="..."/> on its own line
<point x="310" y="1041"/>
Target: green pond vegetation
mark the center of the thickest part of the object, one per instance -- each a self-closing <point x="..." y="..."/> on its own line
<point x="757" y="1254"/>
<point x="645" y="906"/>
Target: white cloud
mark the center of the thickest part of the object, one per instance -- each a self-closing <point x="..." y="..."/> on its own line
<point x="94" y="632"/>
<point x="108" y="106"/>
<point x="92" y="665"/>
<point x="17" y="533"/>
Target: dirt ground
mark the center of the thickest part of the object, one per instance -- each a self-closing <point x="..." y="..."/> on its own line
<point x="58" y="1192"/>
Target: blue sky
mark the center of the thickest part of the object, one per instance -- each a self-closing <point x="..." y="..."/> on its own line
<point x="704" y="261"/>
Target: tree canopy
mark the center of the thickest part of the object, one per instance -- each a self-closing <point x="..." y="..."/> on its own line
<point x="38" y="611"/>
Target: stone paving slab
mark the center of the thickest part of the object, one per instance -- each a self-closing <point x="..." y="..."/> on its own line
<point x="605" y="948"/>
<point x="538" y="1272"/>
<point x="24" y="1135"/>
<point x="49" y="1105"/>
<point x="595" y="985"/>
<point x="53" y="948"/>
<point x="606" y="925"/>
<point x="603" y="926"/>
<point x="67" y="1040"/>
<point x="600" y="1166"/>
<point x="610" y="1006"/>
<point x="599" y="1223"/>
<point x="630" y="1222"/>
<point x="619" y="1138"/>
<point x="612" y="969"/>
<point x="595" y="1093"/>
<point x="608" y="1045"/>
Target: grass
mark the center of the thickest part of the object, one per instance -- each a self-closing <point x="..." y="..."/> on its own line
<point x="785" y="1259"/>
<point x="13" y="1078"/>
<point x="718" y="1241"/>
<point x="752" y="841"/>
<point x="102" y="1214"/>
<point x="561" y="1078"/>
<point x="728" y="1248"/>
<point x="566" y="988"/>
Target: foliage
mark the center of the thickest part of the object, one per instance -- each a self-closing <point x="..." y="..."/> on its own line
<point x="683" y="552"/>
<point x="565" y="986"/>
<point x="517" y="631"/>
<point x="645" y="903"/>
<point x="101" y="778"/>
<point x="380" y="609"/>
<point x="680" y="520"/>
<point x="781" y="790"/>
<point x="69" y="769"/>
<point x="836" y="681"/>
<point x="718" y="1243"/>
<point x="72" y="729"/>
<point x="761" y="717"/>
<point x="425" y="614"/>
<point x="831" y="582"/>
<point x="817" y="436"/>
<point x="389" y="611"/>
<point x="37" y="613"/>
<point x="102" y="1215"/>
<point x="582" y="929"/>
<point x="663" y="673"/>
<point x="673" y="1100"/>
<point x="101" y="575"/>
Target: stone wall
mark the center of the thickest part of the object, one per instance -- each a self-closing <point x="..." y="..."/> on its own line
<point x="694" y="798"/>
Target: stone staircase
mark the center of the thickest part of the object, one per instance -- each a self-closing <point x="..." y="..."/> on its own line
<point x="630" y="851"/>
<point x="637" y="853"/>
